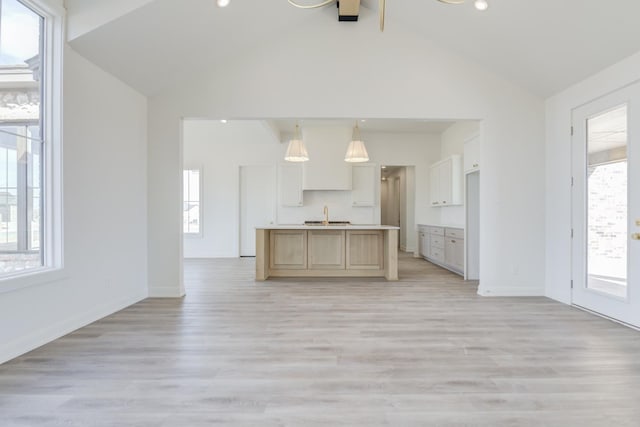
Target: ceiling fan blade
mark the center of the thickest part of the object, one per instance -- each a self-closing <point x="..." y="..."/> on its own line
<point x="382" y="11"/>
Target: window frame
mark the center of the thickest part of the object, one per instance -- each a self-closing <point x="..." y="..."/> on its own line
<point x="51" y="122"/>
<point x="200" y="233"/>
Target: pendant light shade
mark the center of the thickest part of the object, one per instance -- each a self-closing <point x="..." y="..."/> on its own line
<point x="356" y="152"/>
<point x="296" y="151"/>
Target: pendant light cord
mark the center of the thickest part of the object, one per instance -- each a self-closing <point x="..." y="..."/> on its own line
<point x="312" y="6"/>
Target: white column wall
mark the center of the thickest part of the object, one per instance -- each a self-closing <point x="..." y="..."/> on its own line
<point x="105" y="215"/>
<point x="390" y="75"/>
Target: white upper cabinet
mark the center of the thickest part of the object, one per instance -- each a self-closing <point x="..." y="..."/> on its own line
<point x="290" y="184"/>
<point x="364" y="180"/>
<point x="326" y="168"/>
<point x="446" y="182"/>
<point x="472" y="154"/>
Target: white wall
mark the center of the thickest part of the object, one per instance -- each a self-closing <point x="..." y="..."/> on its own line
<point x="392" y="74"/>
<point x="87" y="15"/>
<point x="105" y="215"/>
<point x="453" y="143"/>
<point x="220" y="149"/>
<point x="558" y="167"/>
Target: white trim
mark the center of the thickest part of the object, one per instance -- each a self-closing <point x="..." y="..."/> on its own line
<point x="52" y="124"/>
<point x="41" y="336"/>
<point x="200" y="233"/>
<point x="511" y="291"/>
<point x="32" y="277"/>
<point x="611" y="319"/>
<point x="166" y="292"/>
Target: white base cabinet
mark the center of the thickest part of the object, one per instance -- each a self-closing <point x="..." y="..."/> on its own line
<point x="443" y="246"/>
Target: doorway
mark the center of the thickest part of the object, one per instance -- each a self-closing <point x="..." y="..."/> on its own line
<point x="397" y="203"/>
<point x="606" y="206"/>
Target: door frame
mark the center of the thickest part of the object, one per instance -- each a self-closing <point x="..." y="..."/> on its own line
<point x="606" y="305"/>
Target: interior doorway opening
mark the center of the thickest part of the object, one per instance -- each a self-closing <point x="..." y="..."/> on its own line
<point x="397" y="203"/>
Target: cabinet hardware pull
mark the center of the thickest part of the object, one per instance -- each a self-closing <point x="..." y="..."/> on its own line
<point x="453" y="241"/>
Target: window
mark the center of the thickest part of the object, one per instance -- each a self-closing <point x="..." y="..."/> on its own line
<point x="191" y="204"/>
<point x="28" y="132"/>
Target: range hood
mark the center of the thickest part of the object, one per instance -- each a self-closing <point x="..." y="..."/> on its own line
<point x="326" y="168"/>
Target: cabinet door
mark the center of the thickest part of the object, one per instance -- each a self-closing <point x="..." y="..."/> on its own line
<point x="472" y="154"/>
<point x="445" y="182"/>
<point x="423" y="239"/>
<point x="454" y="253"/>
<point x="290" y="184"/>
<point x="364" y="185"/>
<point x="365" y="250"/>
<point x="326" y="249"/>
<point x="288" y="250"/>
<point x="434" y="180"/>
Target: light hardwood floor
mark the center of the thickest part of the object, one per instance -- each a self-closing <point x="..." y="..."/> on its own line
<point x="360" y="352"/>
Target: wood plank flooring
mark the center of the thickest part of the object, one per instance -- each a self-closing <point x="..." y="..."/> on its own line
<point x="419" y="352"/>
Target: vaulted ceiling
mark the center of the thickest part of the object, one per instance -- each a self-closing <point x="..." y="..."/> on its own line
<point x="541" y="45"/>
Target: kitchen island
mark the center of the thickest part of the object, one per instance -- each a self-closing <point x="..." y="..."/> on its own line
<point x="327" y="251"/>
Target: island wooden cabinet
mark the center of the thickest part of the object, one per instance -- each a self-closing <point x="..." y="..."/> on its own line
<point x="288" y="249"/>
<point x="326" y="249"/>
<point x="365" y="250"/>
<point x="349" y="251"/>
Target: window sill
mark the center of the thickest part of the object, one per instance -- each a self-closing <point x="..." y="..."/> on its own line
<point x="193" y="235"/>
<point x="41" y="276"/>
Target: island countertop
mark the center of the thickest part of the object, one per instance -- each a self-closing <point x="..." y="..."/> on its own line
<point x="328" y="227"/>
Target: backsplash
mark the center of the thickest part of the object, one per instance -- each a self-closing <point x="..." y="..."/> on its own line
<point x="339" y="204"/>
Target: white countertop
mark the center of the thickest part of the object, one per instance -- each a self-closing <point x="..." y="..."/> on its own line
<point x="461" y="227"/>
<point x="328" y="227"/>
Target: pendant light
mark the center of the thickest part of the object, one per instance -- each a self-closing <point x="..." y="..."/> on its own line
<point x="296" y="151"/>
<point x="356" y="152"/>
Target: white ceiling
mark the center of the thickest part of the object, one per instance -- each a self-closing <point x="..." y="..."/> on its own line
<point x="542" y="45"/>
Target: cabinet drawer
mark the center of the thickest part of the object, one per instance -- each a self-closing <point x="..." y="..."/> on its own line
<point x="438" y="231"/>
<point x="437" y="254"/>
<point x="455" y="232"/>
<point x="437" y="241"/>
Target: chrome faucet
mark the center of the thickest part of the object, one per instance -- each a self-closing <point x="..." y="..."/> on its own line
<point x="326" y="215"/>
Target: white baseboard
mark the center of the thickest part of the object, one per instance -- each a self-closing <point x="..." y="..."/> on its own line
<point x="54" y="331"/>
<point x="511" y="291"/>
<point x="165" y="292"/>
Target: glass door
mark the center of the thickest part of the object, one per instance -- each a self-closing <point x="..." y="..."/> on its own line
<point x="606" y="206"/>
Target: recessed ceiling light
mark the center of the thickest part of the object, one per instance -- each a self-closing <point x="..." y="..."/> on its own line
<point x="384" y="167"/>
<point x="481" y="4"/>
<point x="363" y="120"/>
<point x="223" y="3"/>
<point x="223" y="121"/>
